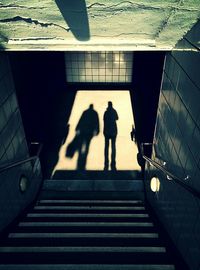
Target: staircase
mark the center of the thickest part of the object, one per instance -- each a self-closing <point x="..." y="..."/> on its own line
<point x="85" y="234"/>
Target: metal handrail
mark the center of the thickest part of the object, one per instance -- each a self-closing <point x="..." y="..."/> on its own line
<point x="171" y="176"/>
<point x="22" y="161"/>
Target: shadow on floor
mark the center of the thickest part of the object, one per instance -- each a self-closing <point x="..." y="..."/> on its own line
<point x="98" y="175"/>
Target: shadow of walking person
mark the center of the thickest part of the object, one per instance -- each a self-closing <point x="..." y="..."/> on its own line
<point x="86" y="129"/>
<point x="110" y="133"/>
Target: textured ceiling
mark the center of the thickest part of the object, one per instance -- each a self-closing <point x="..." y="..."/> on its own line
<point x="92" y="25"/>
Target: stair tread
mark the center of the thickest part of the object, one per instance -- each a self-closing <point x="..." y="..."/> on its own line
<point x="86" y="224"/>
<point x="110" y="215"/>
<point x="93" y="257"/>
<point x="93" y="184"/>
<point x="87" y="267"/>
<point x="90" y="201"/>
<point x="41" y="207"/>
<point x="69" y="249"/>
<point x="88" y="235"/>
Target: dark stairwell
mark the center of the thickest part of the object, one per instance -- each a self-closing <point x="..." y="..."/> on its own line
<point x="85" y="222"/>
<point x="80" y="230"/>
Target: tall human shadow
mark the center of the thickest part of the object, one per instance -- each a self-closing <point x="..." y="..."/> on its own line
<point x="110" y="133"/>
<point x="75" y="14"/>
<point x="86" y="129"/>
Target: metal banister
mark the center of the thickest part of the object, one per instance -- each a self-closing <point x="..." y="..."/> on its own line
<point x="170" y="175"/>
<point x="22" y="161"/>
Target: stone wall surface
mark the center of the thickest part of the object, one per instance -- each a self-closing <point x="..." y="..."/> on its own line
<point x="78" y="24"/>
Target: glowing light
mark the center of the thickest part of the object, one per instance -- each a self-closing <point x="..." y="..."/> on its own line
<point x="155" y="184"/>
<point x="169" y="178"/>
<point x="23" y="183"/>
<point x="188" y="177"/>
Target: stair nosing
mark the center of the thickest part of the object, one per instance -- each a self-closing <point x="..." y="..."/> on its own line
<point x="87" y="267"/>
<point x="133" y="215"/>
<point x="61" y="207"/>
<point x="83" y="235"/>
<point x="85" y="224"/>
<point x="134" y="249"/>
<point x="90" y="201"/>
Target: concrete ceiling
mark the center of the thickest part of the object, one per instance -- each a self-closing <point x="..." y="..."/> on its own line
<point x="91" y="25"/>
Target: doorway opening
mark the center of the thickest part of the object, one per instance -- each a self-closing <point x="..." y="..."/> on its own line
<point x="126" y="150"/>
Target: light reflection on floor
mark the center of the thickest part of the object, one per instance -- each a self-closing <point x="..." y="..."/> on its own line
<point x="126" y="149"/>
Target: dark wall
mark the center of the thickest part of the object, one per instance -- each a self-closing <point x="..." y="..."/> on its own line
<point x="147" y="75"/>
<point x="40" y="82"/>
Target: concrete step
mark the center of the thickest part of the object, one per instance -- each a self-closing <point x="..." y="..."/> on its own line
<point x="86" y="215"/>
<point x="94" y="185"/>
<point x="85" y="208"/>
<point x="90" y="202"/>
<point x="72" y="249"/>
<point x="82" y="239"/>
<point x="87" y="267"/>
<point x="123" y="225"/>
<point x="89" y="209"/>
<point x="84" y="235"/>
<point x="86" y="227"/>
<point x="84" y="255"/>
<point x="92" y="195"/>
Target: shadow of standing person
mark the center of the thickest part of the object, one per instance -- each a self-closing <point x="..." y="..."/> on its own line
<point x="86" y="129"/>
<point x="110" y="133"/>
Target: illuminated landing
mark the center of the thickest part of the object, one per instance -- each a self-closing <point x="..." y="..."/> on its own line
<point x="126" y="150"/>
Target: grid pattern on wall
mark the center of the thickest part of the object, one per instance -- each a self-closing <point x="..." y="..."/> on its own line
<point x="178" y="129"/>
<point x="177" y="142"/>
<point x="113" y="67"/>
<point x="13" y="147"/>
<point x="11" y="128"/>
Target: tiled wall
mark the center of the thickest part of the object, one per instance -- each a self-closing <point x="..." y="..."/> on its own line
<point x="177" y="142"/>
<point x="13" y="147"/>
<point x="99" y="67"/>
